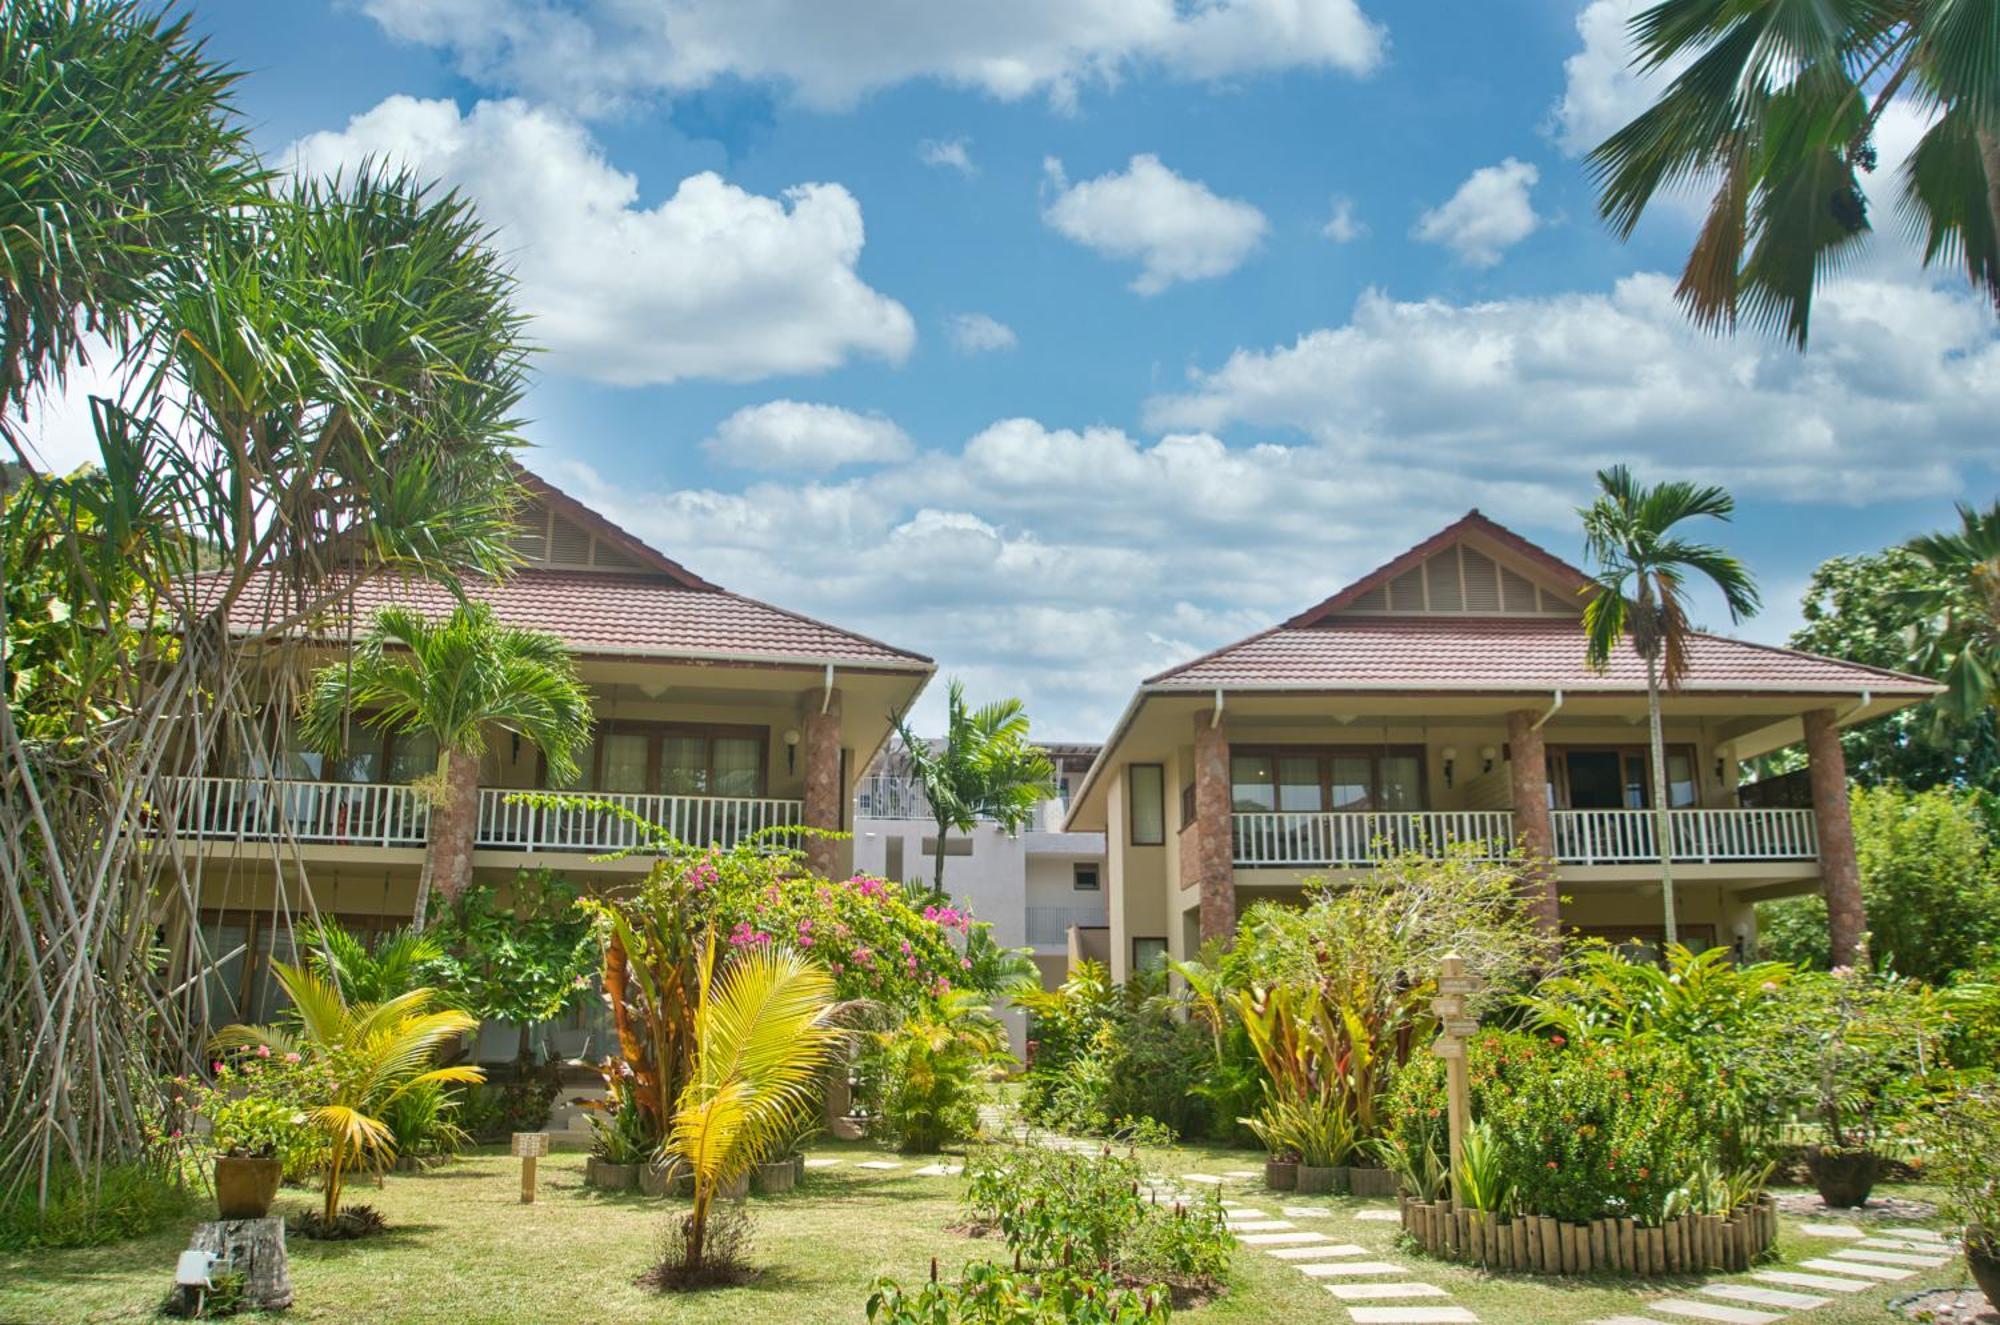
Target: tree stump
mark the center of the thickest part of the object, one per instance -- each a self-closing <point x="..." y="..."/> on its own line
<point x="255" y="1249"/>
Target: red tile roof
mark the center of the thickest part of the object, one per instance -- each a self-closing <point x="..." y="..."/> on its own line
<point x="1437" y="653"/>
<point x="641" y="615"/>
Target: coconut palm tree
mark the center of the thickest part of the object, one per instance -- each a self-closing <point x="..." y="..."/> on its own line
<point x="1777" y="109"/>
<point x="1957" y="637"/>
<point x="1640" y="593"/>
<point x="984" y="768"/>
<point x="373" y="1053"/>
<point x="762" y="1044"/>
<point x="456" y="680"/>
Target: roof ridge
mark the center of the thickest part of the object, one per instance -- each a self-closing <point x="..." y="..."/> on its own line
<point x="1215" y="652"/>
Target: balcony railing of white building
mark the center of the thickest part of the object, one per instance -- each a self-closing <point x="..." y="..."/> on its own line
<point x="395" y="815"/>
<point x="1582" y="837"/>
<point x="886" y="796"/>
<point x="1049" y="926"/>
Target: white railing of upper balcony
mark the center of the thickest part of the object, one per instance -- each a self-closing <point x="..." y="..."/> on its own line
<point x="884" y="796"/>
<point x="1582" y="837"/>
<point x="1049" y="926"/>
<point x="394" y="815"/>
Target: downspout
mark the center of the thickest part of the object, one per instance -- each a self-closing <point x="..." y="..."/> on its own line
<point x="1840" y="719"/>
<point x="1550" y="713"/>
<point x="826" y="695"/>
<point x="1215" y="718"/>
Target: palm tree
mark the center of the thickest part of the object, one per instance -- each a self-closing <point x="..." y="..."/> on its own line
<point x="454" y="680"/>
<point x="1958" y="636"/>
<point x="984" y="768"/>
<point x="929" y="1066"/>
<point x="1640" y="591"/>
<point x="1778" y="107"/>
<point x="373" y="1054"/>
<point x="394" y="966"/>
<point x="761" y="1044"/>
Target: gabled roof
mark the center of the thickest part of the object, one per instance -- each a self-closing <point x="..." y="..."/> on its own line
<point x="641" y="552"/>
<point x="1559" y="572"/>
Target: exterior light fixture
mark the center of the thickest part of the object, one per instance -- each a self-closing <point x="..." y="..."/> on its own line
<point x="792" y="750"/>
<point x="1487" y="755"/>
<point x="1450" y="753"/>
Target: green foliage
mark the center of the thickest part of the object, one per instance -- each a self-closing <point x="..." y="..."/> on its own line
<point x="984" y="768"/>
<point x="619" y="1132"/>
<point x="1957" y="615"/>
<point x="1930" y="879"/>
<point x="395" y="965"/>
<point x="111" y="1205"/>
<point x="987" y="1294"/>
<point x="1961" y="1138"/>
<point x="519" y="1101"/>
<point x="424" y="1122"/>
<point x="1481" y="1180"/>
<point x="1694" y="996"/>
<point x="1864" y="1052"/>
<point x="257" y="1103"/>
<point x="1861" y="608"/>
<point x="924" y="1075"/>
<point x="525" y="962"/>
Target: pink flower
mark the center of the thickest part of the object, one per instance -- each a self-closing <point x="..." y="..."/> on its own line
<point x="291" y="1058"/>
<point x="263" y="1051"/>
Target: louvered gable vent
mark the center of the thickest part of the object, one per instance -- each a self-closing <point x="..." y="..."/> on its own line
<point x="1460" y="581"/>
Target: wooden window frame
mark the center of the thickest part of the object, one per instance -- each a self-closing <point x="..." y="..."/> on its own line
<point x="1132" y="800"/>
<point x="1326" y="754"/>
<point x="1558" y="765"/>
<point x="655" y="732"/>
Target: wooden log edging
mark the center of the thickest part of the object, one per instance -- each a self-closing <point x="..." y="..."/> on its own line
<point x="1537" y="1244"/>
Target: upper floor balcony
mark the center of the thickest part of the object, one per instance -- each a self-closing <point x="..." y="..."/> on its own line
<point x="379" y="814"/>
<point x="889" y="796"/>
<point x="1344" y="839"/>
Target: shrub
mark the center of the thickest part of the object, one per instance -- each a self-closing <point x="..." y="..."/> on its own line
<point x="924" y="1075"/>
<point x="723" y="1257"/>
<point x="1963" y="1136"/>
<point x="423" y="1122"/>
<point x="989" y="1295"/>
<point x="118" y="1202"/>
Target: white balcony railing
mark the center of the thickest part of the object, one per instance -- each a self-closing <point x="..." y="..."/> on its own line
<point x="393" y="815"/>
<point x="1049" y="926"/>
<point x="1619" y="837"/>
<point x="884" y="796"/>
<point x="1582" y="837"/>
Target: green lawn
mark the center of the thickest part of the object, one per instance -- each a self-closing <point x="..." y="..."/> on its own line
<point x="464" y="1250"/>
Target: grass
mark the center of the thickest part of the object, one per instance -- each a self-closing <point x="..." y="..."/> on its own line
<point x="463" y="1249"/>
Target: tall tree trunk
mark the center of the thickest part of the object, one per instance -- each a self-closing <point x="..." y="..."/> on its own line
<point x="1662" y="817"/>
<point x="937" y="868"/>
<point x="454" y="824"/>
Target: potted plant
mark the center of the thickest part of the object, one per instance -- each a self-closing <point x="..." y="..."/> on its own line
<point x="254" y="1121"/>
<point x="1326" y="1136"/>
<point x="619" y="1146"/>
<point x="1866" y="1034"/>
<point x="1962" y="1136"/>
<point x="1276" y="1125"/>
<point x="777" y="1174"/>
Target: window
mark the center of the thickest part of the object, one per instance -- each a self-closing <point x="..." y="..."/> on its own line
<point x="1086" y="876"/>
<point x="1299" y="781"/>
<point x="1620" y="777"/>
<point x="674" y="760"/>
<point x="1149" y="810"/>
<point x="1148" y="954"/>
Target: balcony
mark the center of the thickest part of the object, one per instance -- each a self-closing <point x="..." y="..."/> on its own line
<point x="372" y="814"/>
<point x="1048" y="926"/>
<point x="885" y="796"/>
<point x="1582" y="837"/>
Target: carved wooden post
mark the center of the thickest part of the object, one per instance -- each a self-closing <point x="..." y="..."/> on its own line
<point x="530" y="1146"/>
<point x="1453" y="985"/>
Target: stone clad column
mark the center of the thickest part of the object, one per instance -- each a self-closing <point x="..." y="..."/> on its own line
<point x="823" y="789"/>
<point x="1528" y="769"/>
<point x="1840" y="872"/>
<point x="1214" y="842"/>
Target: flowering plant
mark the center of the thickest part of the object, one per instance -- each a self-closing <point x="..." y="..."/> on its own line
<point x="257" y="1105"/>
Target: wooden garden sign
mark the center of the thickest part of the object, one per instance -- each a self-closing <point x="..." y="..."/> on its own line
<point x="530" y="1146"/>
<point x="1453" y="987"/>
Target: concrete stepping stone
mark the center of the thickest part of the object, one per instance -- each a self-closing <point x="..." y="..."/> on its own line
<point x="1885" y="1273"/>
<point x="1241" y="1174"/>
<point x="1280" y="1239"/>
<point x="1305" y="1212"/>
<point x="1831" y="1231"/>
<point x="879" y="1165"/>
<point x="1927" y="1234"/>
<point x="1759" y="1296"/>
<point x="1363" y="1292"/>
<point x="1259" y="1225"/>
<point x="1412" y="1316"/>
<point x="1824" y="1282"/>
<point x="821" y="1163"/>
<point x="1352" y="1269"/>
<point x="1208" y="1179"/>
<point x="1624" y="1320"/>
<point x="937" y="1171"/>
<point x="1316" y="1251"/>
<point x="1379" y="1216"/>
<point x="1905" y="1244"/>
<point x="1890" y="1258"/>
<point x="1712" y="1311"/>
<point x="1242" y="1212"/>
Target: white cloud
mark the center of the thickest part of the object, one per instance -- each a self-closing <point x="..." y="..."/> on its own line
<point x="955" y="153"/>
<point x="1175" y="228"/>
<point x="1342" y="226"/>
<point x="976" y="333"/>
<point x="1602" y="90"/>
<point x="598" y="55"/>
<point x="794" y="436"/>
<point x="712" y="282"/>
<point x="1488" y="215"/>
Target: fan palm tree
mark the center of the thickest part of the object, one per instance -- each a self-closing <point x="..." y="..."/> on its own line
<point x="456" y="680"/>
<point x="984" y="768"/>
<point x="1957" y="638"/>
<point x="1777" y="107"/>
<point x="762" y="1044"/>
<point x="1640" y="593"/>
<point x="373" y="1054"/>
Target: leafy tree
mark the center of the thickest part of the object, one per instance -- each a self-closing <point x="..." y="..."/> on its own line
<point x="1641" y="595"/>
<point x="1930" y="879"/>
<point x="523" y="963"/>
<point x="456" y="680"/>
<point x="984" y="768"/>
<point x="373" y="1055"/>
<point x="1778" y="108"/>
<point x="1957" y="632"/>
<point x="1860" y="609"/>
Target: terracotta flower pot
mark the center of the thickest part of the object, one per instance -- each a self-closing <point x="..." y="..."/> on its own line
<point x="1319" y="1180"/>
<point x="1844" y="1177"/>
<point x="245" y="1188"/>
<point x="1982" y="1257"/>
<point x="1281" y="1175"/>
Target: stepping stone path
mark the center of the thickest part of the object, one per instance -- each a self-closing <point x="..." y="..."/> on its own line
<point x="1764" y="1297"/>
<point x="1824" y="1282"/>
<point x="1884" y="1273"/>
<point x="1306" y="1212"/>
<point x="1379" y="1216"/>
<point x="1713" y="1311"/>
<point x="880" y="1165"/>
<point x="1351" y="1269"/>
<point x="1831" y="1231"/>
<point x="1345" y="1266"/>
<point x="1412" y="1316"/>
<point x="821" y="1163"/>
<point x="1362" y="1292"/>
<point x="1315" y="1252"/>
<point x="937" y="1171"/>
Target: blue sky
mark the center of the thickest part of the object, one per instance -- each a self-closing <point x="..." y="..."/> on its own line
<point x="1189" y="404"/>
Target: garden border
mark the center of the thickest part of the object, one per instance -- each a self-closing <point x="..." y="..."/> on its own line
<point x="1542" y="1245"/>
